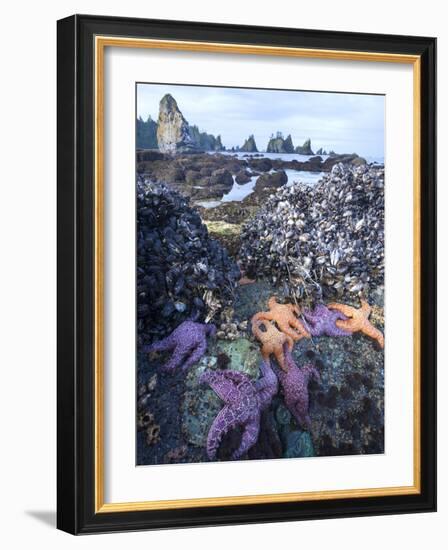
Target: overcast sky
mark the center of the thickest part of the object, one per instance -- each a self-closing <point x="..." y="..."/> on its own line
<point x="345" y="123"/>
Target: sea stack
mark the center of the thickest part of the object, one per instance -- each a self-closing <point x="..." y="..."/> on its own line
<point x="173" y="131"/>
<point x="305" y="149"/>
<point x="278" y="144"/>
<point x="249" y="145"/>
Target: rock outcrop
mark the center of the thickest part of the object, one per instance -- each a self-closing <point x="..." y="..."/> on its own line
<point x="276" y="179"/>
<point x="288" y="145"/>
<point x="352" y="159"/>
<point x="173" y="134"/>
<point x="249" y="145"/>
<point x="305" y="149"/>
<point x="173" y="131"/>
<point x="218" y="144"/>
<point x="181" y="271"/>
<point x="278" y="144"/>
<point x="243" y="177"/>
<point x="204" y="141"/>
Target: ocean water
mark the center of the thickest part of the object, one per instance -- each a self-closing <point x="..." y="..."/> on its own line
<point x="272" y="156"/>
<point x="295" y="156"/>
<point x="308" y="178"/>
<point x="240" y="192"/>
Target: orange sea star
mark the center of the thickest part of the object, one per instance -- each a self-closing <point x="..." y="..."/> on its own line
<point x="285" y="315"/>
<point x="272" y="340"/>
<point x="358" y="320"/>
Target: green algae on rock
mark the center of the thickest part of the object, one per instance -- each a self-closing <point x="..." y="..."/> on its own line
<point x="299" y="445"/>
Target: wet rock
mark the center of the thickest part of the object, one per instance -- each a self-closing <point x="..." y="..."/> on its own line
<point x="347" y="405"/>
<point x="177" y="455"/>
<point x="299" y="444"/>
<point x="260" y="164"/>
<point x="226" y="233"/>
<point x="269" y="444"/>
<point x="244" y="355"/>
<point x="325" y="241"/>
<point x="350" y="159"/>
<point x="149" y="156"/>
<point x="181" y="271"/>
<point x="222" y="178"/>
<point x="276" y="179"/>
<point x="191" y="177"/>
<point x="243" y="177"/>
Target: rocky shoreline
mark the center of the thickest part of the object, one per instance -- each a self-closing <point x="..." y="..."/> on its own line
<point x="346" y="406"/>
<point x="323" y="241"/>
<point x="206" y="268"/>
<point x="210" y="176"/>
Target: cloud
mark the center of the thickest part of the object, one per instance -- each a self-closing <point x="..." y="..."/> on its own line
<point x="342" y="122"/>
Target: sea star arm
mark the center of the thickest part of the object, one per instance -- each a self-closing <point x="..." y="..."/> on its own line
<point x="262" y="316"/>
<point x="310" y="321"/>
<point x="346" y="310"/>
<point x="308" y="324"/>
<point x="235" y="376"/>
<point x="289" y="342"/>
<point x="309" y="315"/>
<point x="249" y="437"/>
<point x="339" y="330"/>
<point x="299" y="408"/>
<point x="292" y="328"/>
<point x="266" y="352"/>
<point x="279" y="355"/>
<point x="267" y="385"/>
<point x="287" y="329"/>
<point x="347" y="325"/>
<point x="299" y="327"/>
<point x="177" y="358"/>
<point x="289" y="360"/>
<point x="295" y="309"/>
<point x="166" y="344"/>
<point x="366" y="309"/>
<point x="223" y="422"/>
<point x="312" y="372"/>
<point x="221" y="384"/>
<point x="373" y="332"/>
<point x="196" y="353"/>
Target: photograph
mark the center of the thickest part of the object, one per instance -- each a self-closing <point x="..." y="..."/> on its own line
<point x="260" y="259"/>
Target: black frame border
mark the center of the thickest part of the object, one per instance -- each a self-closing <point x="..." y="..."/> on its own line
<point x="76" y="262"/>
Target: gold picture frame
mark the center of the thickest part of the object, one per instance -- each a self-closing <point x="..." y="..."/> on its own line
<point x="101" y="40"/>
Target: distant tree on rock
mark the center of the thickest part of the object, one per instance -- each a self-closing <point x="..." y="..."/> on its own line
<point x="146" y="133"/>
<point x="278" y="144"/>
<point x="204" y="141"/>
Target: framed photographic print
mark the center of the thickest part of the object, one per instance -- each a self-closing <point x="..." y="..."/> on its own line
<point x="247" y="274"/>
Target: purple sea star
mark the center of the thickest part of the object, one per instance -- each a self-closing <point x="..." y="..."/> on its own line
<point x="244" y="399"/>
<point x="322" y="321"/>
<point x="188" y="342"/>
<point x="294" y="382"/>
